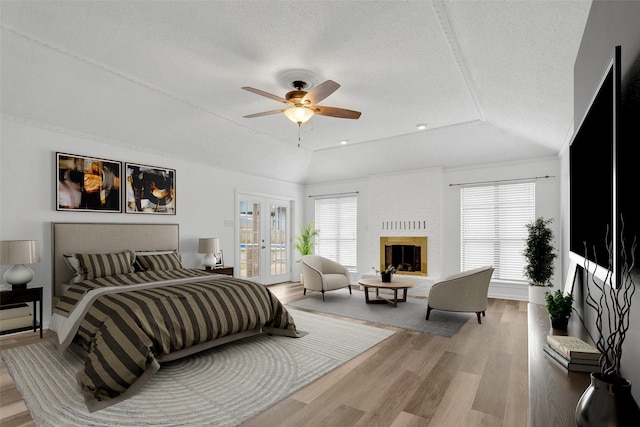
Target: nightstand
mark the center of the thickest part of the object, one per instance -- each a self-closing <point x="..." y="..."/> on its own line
<point x="220" y="270"/>
<point x="24" y="295"/>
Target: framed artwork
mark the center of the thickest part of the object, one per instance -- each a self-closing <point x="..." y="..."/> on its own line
<point x="219" y="259"/>
<point x="88" y="184"/>
<point x="150" y="189"/>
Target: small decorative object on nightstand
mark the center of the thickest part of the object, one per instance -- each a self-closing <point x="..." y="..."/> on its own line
<point x="210" y="247"/>
<point x="19" y="253"/>
<point x="12" y="317"/>
<point x="219" y="259"/>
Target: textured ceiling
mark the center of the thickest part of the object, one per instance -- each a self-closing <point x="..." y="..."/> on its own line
<point x="493" y="80"/>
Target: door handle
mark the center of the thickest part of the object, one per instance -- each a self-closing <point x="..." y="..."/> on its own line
<point x="263" y="247"/>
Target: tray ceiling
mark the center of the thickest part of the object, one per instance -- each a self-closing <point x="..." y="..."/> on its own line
<point x="493" y="81"/>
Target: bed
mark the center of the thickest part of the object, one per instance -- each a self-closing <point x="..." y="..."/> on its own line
<point x="124" y="301"/>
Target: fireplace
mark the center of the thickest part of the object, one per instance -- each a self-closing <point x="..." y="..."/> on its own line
<point x="407" y="254"/>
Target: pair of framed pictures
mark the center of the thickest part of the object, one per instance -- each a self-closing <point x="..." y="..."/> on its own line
<point x="90" y="184"/>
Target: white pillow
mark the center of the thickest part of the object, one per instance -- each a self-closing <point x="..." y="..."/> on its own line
<point x="79" y="273"/>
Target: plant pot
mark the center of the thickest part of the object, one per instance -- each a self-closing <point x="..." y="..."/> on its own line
<point x="386" y="277"/>
<point x="561" y="323"/>
<point x="607" y="403"/>
<point x="536" y="294"/>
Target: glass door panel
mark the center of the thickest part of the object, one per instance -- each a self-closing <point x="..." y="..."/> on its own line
<point x="264" y="250"/>
<point x="279" y="249"/>
<point x="249" y="221"/>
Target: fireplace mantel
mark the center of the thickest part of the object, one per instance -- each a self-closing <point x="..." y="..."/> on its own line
<point x="419" y="242"/>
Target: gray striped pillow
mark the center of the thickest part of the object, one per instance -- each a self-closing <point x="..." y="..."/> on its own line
<point x="102" y="265"/>
<point x="161" y="261"/>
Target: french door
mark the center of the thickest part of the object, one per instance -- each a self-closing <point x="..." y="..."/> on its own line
<point x="263" y="233"/>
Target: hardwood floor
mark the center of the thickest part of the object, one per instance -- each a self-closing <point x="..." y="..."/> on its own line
<point x="13" y="411"/>
<point x="478" y="377"/>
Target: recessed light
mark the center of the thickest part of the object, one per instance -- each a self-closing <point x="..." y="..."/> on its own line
<point x="421" y="126"/>
<point x="344" y="142"/>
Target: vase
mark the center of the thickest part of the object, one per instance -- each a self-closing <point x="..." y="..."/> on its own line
<point x="607" y="403"/>
<point x="386" y="277"/>
<point x="560" y="323"/>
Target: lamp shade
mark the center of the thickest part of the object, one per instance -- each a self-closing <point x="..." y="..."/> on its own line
<point x="209" y="245"/>
<point x="299" y="115"/>
<point x="19" y="252"/>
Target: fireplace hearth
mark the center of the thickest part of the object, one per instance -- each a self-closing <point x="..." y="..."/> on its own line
<point x="407" y="254"/>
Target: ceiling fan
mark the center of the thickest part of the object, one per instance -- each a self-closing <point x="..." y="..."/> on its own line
<point x="303" y="105"/>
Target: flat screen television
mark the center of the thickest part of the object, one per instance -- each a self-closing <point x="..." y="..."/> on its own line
<point x="628" y="162"/>
<point x="593" y="180"/>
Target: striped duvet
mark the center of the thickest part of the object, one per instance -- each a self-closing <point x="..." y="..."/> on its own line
<point x="127" y="322"/>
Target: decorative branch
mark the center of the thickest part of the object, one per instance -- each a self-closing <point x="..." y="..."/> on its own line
<point x="616" y="302"/>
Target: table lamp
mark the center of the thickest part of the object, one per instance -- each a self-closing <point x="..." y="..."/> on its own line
<point x="19" y="253"/>
<point x="209" y="246"/>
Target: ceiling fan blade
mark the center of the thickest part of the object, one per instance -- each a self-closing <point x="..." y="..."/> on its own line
<point x="320" y="92"/>
<point x="264" y="113"/>
<point x="336" y="112"/>
<point x="267" y="94"/>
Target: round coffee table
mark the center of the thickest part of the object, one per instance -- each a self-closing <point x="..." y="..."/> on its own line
<point x="394" y="285"/>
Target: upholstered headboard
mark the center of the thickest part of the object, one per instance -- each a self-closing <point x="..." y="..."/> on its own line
<point x="75" y="237"/>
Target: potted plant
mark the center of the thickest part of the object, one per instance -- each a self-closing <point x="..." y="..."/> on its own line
<point x="539" y="252"/>
<point x="608" y="399"/>
<point x="305" y="242"/>
<point x="386" y="273"/>
<point x="559" y="307"/>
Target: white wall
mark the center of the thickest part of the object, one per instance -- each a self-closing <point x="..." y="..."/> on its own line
<point x="396" y="202"/>
<point x="428" y="195"/>
<point x="204" y="195"/>
<point x="205" y="200"/>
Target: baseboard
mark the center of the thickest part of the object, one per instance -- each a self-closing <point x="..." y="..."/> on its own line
<point x="512" y="291"/>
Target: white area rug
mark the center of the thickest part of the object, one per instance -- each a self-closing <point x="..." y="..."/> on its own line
<point x="223" y="386"/>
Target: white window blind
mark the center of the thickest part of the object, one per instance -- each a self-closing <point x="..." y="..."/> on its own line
<point x="493" y="227"/>
<point x="337" y="220"/>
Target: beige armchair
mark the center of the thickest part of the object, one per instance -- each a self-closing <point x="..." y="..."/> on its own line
<point x="322" y="274"/>
<point x="466" y="291"/>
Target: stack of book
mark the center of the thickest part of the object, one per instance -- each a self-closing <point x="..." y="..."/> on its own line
<point x="15" y="316"/>
<point x="573" y="353"/>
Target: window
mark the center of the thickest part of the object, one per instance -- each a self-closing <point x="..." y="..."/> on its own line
<point x="337" y="220"/>
<point x="493" y="227"/>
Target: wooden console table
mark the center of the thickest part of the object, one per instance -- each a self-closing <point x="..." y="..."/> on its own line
<point x="553" y="391"/>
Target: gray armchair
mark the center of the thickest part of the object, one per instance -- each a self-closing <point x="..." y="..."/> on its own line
<point x="466" y="291"/>
<point x="322" y="274"/>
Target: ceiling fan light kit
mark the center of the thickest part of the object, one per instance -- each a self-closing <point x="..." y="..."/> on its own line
<point x="298" y="115"/>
